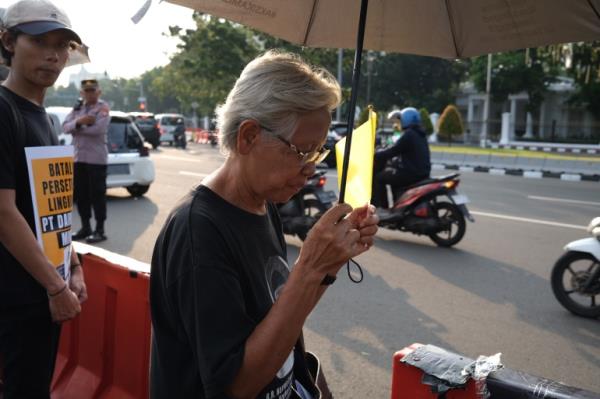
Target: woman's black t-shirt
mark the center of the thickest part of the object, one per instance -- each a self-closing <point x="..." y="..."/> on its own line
<point x="216" y="271"/>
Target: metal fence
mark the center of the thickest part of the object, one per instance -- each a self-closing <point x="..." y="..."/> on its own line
<point x="552" y="132"/>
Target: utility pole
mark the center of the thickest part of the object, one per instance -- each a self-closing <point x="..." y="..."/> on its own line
<point x="370" y="59"/>
<point x="142" y="99"/>
<point x="486" y="107"/>
<point x="338" y="111"/>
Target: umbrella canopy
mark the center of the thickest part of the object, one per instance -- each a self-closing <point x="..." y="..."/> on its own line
<point x="440" y="28"/>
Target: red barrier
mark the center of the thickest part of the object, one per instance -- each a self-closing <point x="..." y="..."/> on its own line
<point x="105" y="351"/>
<point x="406" y="381"/>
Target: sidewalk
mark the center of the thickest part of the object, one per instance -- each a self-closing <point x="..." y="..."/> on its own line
<point x="529" y="167"/>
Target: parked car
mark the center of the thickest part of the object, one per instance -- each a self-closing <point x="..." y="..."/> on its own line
<point x="129" y="163"/>
<point x="167" y="123"/>
<point x="57" y="116"/>
<point x="148" y="126"/>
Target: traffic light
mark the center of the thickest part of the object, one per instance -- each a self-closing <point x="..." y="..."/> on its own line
<point x="142" y="106"/>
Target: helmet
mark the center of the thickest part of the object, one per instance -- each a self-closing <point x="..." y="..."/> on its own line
<point x="408" y="116"/>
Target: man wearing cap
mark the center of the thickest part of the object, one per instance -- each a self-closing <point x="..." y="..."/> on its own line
<point x="89" y="124"/>
<point x="36" y="37"/>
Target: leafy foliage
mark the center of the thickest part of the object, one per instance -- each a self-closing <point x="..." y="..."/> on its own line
<point x="450" y="123"/>
<point x="426" y="121"/>
<point x="402" y="80"/>
<point x="514" y="72"/>
<point x="211" y="58"/>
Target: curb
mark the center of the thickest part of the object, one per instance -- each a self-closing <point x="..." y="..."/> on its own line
<point x="551" y="147"/>
<point x="528" y="174"/>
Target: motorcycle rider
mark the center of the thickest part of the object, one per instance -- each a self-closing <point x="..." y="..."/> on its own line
<point x="413" y="164"/>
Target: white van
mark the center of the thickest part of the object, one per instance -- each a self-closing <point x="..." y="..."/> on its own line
<point x="167" y="123"/>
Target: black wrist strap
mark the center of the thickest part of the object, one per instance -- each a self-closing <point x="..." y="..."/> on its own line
<point x="328" y="279"/>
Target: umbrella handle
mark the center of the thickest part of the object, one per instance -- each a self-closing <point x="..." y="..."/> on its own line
<point x="353" y="94"/>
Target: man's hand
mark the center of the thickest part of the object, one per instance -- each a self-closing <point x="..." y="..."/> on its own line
<point x="77" y="284"/>
<point x="64" y="306"/>
<point x="86" y="120"/>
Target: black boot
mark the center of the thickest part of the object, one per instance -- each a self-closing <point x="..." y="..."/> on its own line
<point x="82" y="233"/>
<point x="95" y="237"/>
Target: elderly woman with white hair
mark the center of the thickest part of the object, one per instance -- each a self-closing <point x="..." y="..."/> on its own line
<point x="227" y="309"/>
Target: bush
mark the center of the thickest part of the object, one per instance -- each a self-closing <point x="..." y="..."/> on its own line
<point x="426" y="121"/>
<point x="450" y="124"/>
<point x="363" y="116"/>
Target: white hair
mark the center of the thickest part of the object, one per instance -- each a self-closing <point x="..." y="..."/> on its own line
<point x="275" y="89"/>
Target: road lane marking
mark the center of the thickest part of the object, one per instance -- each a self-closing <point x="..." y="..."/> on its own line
<point x="173" y="158"/>
<point x="195" y="174"/>
<point x="528" y="220"/>
<point x="563" y="200"/>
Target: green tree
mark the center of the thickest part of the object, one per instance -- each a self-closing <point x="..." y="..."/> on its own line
<point x="584" y="67"/>
<point x="158" y="100"/>
<point x="362" y="117"/>
<point x="450" y="124"/>
<point x="529" y="70"/>
<point x="426" y="121"/>
<point x="401" y="80"/>
<point x="62" y="96"/>
<point x="210" y="59"/>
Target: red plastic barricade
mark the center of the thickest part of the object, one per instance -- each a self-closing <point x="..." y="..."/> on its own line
<point x="105" y="351"/>
<point x="406" y="381"/>
<point x="446" y="370"/>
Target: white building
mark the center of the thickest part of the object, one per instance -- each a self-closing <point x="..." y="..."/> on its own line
<point x="557" y="120"/>
<point x="76" y="78"/>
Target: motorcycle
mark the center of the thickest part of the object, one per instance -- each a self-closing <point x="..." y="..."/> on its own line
<point x="576" y="274"/>
<point x="213" y="138"/>
<point x="301" y="212"/>
<point x="431" y="207"/>
<point x="179" y="139"/>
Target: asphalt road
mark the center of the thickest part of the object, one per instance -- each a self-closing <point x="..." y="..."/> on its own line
<point x="489" y="294"/>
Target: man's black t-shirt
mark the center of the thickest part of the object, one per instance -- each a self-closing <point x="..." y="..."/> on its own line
<point x="17" y="287"/>
<point x="216" y="271"/>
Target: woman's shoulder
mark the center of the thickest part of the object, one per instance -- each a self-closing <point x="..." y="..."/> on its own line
<point x="193" y="209"/>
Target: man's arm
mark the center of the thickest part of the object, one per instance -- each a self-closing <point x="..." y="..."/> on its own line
<point x="70" y="123"/>
<point x="390" y="152"/>
<point x="20" y="241"/>
<point x="100" y="125"/>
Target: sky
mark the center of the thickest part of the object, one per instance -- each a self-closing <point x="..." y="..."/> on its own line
<point x="117" y="45"/>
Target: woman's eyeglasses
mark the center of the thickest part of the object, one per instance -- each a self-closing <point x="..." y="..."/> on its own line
<point x="317" y="156"/>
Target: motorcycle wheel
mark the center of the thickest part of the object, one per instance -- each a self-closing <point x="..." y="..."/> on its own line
<point x="570" y="273"/>
<point x="312" y="208"/>
<point x="450" y="215"/>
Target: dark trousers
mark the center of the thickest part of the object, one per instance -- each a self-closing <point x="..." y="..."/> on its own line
<point x="28" y="347"/>
<point x="90" y="192"/>
<point x="396" y="177"/>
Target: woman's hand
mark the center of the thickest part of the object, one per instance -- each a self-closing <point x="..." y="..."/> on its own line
<point x="365" y="221"/>
<point x="335" y="238"/>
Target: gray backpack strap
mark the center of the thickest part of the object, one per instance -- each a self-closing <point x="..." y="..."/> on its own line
<point x="17" y="119"/>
